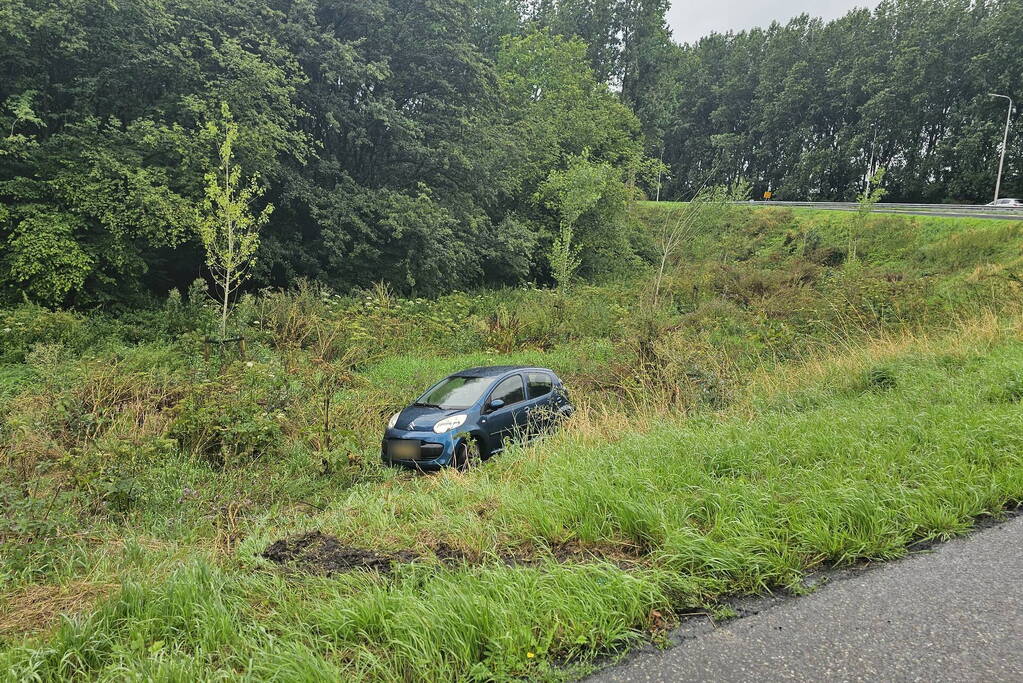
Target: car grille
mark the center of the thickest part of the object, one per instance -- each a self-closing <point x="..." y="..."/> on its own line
<point x="411" y="449"/>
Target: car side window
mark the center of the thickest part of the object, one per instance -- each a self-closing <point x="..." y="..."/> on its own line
<point x="540" y="384"/>
<point x="510" y="391"/>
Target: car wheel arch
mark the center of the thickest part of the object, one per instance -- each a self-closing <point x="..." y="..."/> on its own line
<point x="481" y="437"/>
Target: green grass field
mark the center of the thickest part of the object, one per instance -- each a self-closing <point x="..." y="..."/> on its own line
<point x="784" y="410"/>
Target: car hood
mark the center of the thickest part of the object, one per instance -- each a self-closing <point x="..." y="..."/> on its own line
<point x="422" y="418"/>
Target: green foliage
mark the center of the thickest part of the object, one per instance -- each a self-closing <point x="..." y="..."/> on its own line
<point x="24" y="327"/>
<point x="146" y="479"/>
<point x="867" y="200"/>
<point x="235" y="418"/>
<point x="579" y="149"/>
<point x="407" y="143"/>
<point x="872" y="193"/>
<point x="228" y="229"/>
<point x="400" y="143"/>
<point x="562" y="257"/>
<point x="18" y="112"/>
<point x="583" y="189"/>
<point x="810" y="108"/>
<point x="31" y="519"/>
<point x="772" y="494"/>
<point x="812" y="414"/>
<point x="42" y="258"/>
<point x="681" y="224"/>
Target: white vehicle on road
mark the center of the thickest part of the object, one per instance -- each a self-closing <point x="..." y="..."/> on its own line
<point x="1008" y="203"/>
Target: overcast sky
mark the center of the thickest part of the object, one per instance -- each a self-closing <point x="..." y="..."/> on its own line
<point x="692" y="19"/>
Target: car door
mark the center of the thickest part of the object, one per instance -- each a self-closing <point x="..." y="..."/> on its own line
<point x="540" y="402"/>
<point x="510" y="417"/>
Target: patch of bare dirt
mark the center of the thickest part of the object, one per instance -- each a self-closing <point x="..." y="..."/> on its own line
<point x="318" y="553"/>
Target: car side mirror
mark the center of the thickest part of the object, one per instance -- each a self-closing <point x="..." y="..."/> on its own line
<point x="496" y="404"/>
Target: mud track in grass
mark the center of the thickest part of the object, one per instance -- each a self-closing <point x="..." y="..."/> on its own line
<point x="318" y="553"/>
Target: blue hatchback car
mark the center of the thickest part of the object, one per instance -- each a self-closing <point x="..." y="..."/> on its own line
<point x="472" y="414"/>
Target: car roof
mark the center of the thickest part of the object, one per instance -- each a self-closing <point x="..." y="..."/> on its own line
<point x="495" y="370"/>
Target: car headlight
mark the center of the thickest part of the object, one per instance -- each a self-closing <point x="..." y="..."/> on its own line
<point x="449" y="423"/>
<point x="393" y="421"/>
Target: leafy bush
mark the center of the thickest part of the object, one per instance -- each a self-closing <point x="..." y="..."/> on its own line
<point x="233" y="418"/>
<point x="23" y="327"/>
<point x="30" y="518"/>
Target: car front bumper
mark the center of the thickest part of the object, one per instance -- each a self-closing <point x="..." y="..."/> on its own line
<point x="431" y="451"/>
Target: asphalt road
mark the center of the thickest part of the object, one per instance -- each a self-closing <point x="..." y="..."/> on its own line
<point x="952" y="614"/>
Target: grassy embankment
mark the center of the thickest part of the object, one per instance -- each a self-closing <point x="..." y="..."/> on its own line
<point x="783" y="412"/>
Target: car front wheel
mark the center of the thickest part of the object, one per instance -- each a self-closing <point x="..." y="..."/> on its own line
<point x="467" y="455"/>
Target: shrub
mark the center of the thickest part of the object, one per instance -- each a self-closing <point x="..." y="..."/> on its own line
<point x="234" y="417"/>
<point x="23" y="327"/>
<point x="107" y="473"/>
<point x="30" y="518"/>
<point x="175" y="318"/>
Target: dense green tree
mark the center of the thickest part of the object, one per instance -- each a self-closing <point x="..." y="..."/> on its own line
<point x="810" y="109"/>
<point x="397" y="139"/>
<point x="628" y="45"/>
<point x="494" y="19"/>
<point x="409" y="141"/>
<point x="569" y="129"/>
<point x="121" y="90"/>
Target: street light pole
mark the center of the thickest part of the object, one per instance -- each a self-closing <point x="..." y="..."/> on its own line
<point x="1005" y="144"/>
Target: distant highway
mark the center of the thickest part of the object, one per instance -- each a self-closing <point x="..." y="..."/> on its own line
<point x="940" y="210"/>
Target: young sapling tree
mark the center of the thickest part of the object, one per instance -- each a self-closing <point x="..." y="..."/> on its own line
<point x="226" y="223"/>
<point x="572" y="193"/>
<point x="867" y="200"/>
<point x="706" y="207"/>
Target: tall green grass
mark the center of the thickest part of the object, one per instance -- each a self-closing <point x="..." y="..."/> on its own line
<point x="854" y="460"/>
<point x="781" y="409"/>
<point x="859" y="474"/>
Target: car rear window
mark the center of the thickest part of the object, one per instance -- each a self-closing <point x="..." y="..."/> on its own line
<point x="540" y="384"/>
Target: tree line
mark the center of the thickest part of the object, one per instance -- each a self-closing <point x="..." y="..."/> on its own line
<point x="424" y="144"/>
<point x="451" y="144"/>
<point x="811" y="109"/>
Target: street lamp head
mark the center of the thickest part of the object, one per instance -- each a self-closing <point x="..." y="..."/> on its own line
<point x="994" y="94"/>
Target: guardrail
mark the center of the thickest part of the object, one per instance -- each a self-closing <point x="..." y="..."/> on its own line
<point x="962" y="209"/>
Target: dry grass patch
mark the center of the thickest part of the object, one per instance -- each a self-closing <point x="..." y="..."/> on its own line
<point x="38" y="608"/>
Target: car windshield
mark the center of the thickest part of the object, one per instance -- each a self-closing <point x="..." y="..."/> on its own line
<point x="455" y="393"/>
